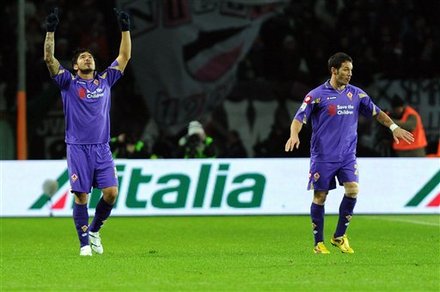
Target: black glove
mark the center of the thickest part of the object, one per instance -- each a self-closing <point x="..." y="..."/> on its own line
<point x="123" y="18"/>
<point x="52" y="20"/>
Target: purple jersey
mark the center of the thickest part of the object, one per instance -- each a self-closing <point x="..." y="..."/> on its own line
<point x="334" y="116"/>
<point x="86" y="105"/>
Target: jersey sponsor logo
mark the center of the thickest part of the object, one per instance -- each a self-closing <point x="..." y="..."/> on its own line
<point x="340" y="110"/>
<point x="96" y="93"/>
<point x="331" y="97"/>
<point x="344" y="110"/>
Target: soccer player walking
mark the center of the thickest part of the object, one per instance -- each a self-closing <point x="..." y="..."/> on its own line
<point x="86" y="104"/>
<point x="333" y="109"/>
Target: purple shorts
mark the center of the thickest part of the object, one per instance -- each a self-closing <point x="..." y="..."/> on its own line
<point x="90" y="165"/>
<point x="322" y="174"/>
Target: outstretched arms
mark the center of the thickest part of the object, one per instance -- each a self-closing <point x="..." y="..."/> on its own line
<point x="125" y="46"/>
<point x="398" y="132"/>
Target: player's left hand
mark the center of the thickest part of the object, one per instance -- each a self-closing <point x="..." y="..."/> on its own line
<point x="123" y="18"/>
<point x="52" y="20"/>
<point x="400" y="133"/>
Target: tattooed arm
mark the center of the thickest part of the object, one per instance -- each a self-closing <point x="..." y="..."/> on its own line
<point x="49" y="43"/>
<point x="49" y="47"/>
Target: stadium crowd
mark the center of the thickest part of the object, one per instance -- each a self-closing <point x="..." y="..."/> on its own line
<point x="387" y="39"/>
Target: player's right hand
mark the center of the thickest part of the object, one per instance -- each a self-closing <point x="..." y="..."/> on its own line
<point x="291" y="144"/>
<point x="52" y="20"/>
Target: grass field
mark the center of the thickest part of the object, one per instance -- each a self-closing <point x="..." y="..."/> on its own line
<point x="248" y="253"/>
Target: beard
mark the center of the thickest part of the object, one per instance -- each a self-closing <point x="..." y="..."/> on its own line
<point x="86" y="71"/>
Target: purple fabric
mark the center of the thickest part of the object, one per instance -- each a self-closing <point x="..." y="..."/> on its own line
<point x="90" y="166"/>
<point x="345" y="213"/>
<point x="322" y="174"/>
<point x="317" y="215"/>
<point x="102" y="212"/>
<point x="334" y="117"/>
<point x="81" y="220"/>
<point x="86" y="105"/>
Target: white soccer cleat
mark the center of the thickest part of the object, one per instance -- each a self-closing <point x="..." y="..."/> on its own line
<point x="95" y="242"/>
<point x="85" y="251"/>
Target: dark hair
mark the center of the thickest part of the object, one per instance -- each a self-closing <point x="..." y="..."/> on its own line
<point x="337" y="59"/>
<point x="397" y="101"/>
<point x="78" y="52"/>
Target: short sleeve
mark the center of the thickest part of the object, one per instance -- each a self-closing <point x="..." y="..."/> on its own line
<point x="367" y="107"/>
<point x="63" y="78"/>
<point x="306" y="108"/>
<point x="112" y="73"/>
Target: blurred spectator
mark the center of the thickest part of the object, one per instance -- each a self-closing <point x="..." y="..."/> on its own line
<point x="409" y="119"/>
<point x="196" y="144"/>
<point x="127" y="146"/>
<point x="164" y="147"/>
<point x="273" y="145"/>
<point x="234" y="147"/>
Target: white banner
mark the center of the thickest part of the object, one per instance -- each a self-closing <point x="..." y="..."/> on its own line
<point x="223" y="187"/>
<point x="186" y="53"/>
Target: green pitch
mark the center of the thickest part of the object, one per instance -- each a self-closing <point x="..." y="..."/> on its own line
<point x="248" y="253"/>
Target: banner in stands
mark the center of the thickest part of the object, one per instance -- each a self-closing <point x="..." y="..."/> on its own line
<point x="222" y="187"/>
<point x="187" y="52"/>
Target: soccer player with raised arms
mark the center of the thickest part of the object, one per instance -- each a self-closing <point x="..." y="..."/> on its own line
<point x="86" y="104"/>
<point x="334" y="109"/>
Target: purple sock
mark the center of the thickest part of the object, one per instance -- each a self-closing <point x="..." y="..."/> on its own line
<point x="81" y="220"/>
<point x="317" y="214"/>
<point x="345" y="214"/>
<point x="102" y="212"/>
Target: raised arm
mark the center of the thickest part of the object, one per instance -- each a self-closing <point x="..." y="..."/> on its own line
<point x="49" y="43"/>
<point x="49" y="47"/>
<point x="398" y="132"/>
<point x="125" y="46"/>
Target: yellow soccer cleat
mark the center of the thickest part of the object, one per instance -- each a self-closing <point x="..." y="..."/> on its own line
<point x="320" y="248"/>
<point x="342" y="243"/>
